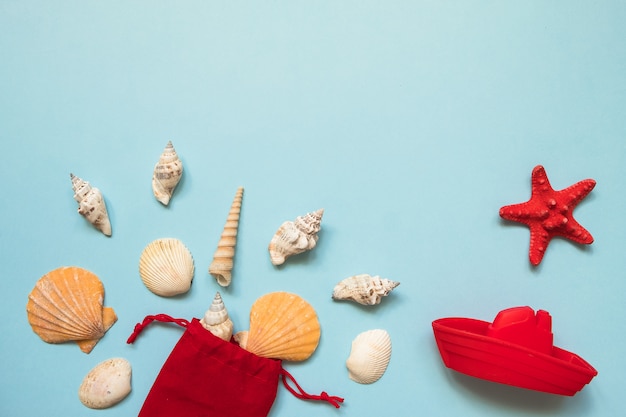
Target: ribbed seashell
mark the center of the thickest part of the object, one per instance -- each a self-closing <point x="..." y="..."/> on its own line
<point x="369" y="356"/>
<point x="216" y="319"/>
<point x="66" y="305"/>
<point x="283" y="326"/>
<point x="294" y="237"/>
<point x="167" y="173"/>
<point x="364" y="289"/>
<point x="106" y="384"/>
<point x="222" y="266"/>
<point x="166" y="267"/>
<point x="91" y="204"/>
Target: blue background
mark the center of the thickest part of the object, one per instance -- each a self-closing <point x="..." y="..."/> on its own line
<point x="410" y="122"/>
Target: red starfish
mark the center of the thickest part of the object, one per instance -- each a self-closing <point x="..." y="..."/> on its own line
<point x="549" y="213"/>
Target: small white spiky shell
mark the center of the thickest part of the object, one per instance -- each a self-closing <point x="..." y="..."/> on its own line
<point x="166" y="267"/>
<point x="294" y="237"/>
<point x="106" y="384"/>
<point x="216" y="319"/>
<point x="369" y="356"/>
<point x="364" y="289"/>
<point x="91" y="204"/>
<point x="167" y="173"/>
<point x="222" y="266"/>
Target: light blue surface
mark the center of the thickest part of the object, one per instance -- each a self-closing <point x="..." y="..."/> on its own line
<point x="411" y="123"/>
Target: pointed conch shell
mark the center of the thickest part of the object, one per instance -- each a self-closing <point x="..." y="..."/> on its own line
<point x="216" y="319"/>
<point x="91" y="204"/>
<point x="295" y="237"/>
<point x="166" y="267"/>
<point x="106" y="384"/>
<point x="282" y="326"/>
<point x="222" y="265"/>
<point x="364" y="289"/>
<point x="167" y="173"/>
<point x="66" y="305"/>
<point x="369" y="357"/>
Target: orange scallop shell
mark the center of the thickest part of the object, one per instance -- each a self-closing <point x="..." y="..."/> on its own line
<point x="283" y="326"/>
<point x="66" y="305"/>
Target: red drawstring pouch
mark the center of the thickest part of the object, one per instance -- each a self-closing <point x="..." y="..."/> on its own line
<point x="207" y="376"/>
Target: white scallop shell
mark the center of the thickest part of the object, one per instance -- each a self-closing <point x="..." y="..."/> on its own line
<point x="216" y="319"/>
<point x="364" y="289"/>
<point x="369" y="357"/>
<point x="222" y="265"/>
<point x="91" y="204"/>
<point x="167" y="173"/>
<point x="295" y="237"/>
<point x="106" y="384"/>
<point x="166" y="267"/>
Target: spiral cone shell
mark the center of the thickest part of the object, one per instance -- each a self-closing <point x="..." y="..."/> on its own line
<point x="91" y="204"/>
<point x="294" y="237"/>
<point x="283" y="326"/>
<point x="166" y="267"/>
<point x="369" y="357"/>
<point x="216" y="319"/>
<point x="167" y="173"/>
<point x="364" y="289"/>
<point x="66" y="305"/>
<point x="222" y="265"/>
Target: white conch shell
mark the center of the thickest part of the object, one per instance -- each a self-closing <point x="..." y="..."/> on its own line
<point x="369" y="357"/>
<point x="166" y="267"/>
<point x="91" y="204"/>
<point x="106" y="384"/>
<point x="167" y="174"/>
<point x="364" y="289"/>
<point x="216" y="319"/>
<point x="295" y="237"/>
<point x="222" y="265"/>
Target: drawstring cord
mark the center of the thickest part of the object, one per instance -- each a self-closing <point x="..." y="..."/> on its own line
<point x="305" y="396"/>
<point x="164" y="318"/>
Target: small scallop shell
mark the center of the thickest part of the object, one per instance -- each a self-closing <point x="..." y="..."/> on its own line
<point x="283" y="326"/>
<point x="364" y="289"/>
<point x="167" y="173"/>
<point x="222" y="265"/>
<point x="91" y="204"/>
<point x="166" y="267"/>
<point x="295" y="237"/>
<point x="216" y="319"/>
<point x="66" y="305"/>
<point x="106" y="384"/>
<point x="369" y="357"/>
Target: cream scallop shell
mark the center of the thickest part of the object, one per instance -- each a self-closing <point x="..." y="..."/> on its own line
<point x="369" y="357"/>
<point x="91" y="204"/>
<point x="167" y="173"/>
<point x="294" y="237"/>
<point x="166" y="267"/>
<point x="364" y="289"/>
<point x="282" y="326"/>
<point x="66" y="305"/>
<point x="106" y="384"/>
<point x="216" y="319"/>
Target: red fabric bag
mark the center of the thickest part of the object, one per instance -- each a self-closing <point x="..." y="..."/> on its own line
<point x="205" y="376"/>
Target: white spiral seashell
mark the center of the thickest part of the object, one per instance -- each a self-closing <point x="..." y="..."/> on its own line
<point x="166" y="267"/>
<point x="364" y="289"/>
<point x="216" y="319"/>
<point x="294" y="237"/>
<point x="91" y="204"/>
<point x="167" y="173"/>
<point x="222" y="265"/>
<point x="369" y="356"/>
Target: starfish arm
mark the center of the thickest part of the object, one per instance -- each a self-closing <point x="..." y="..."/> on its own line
<point x="539" y="240"/>
<point x="575" y="232"/>
<point x="539" y="182"/>
<point x="574" y="194"/>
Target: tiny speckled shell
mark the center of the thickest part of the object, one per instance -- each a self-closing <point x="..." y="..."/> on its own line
<point x="106" y="384"/>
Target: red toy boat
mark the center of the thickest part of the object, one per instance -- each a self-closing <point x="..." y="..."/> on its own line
<point x="516" y="349"/>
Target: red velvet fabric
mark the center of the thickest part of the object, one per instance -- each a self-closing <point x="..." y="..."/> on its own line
<point x="205" y="376"/>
